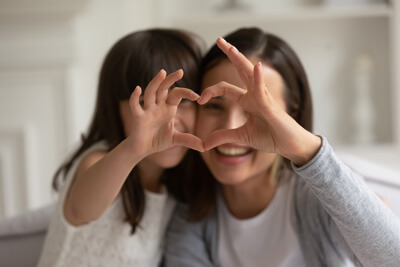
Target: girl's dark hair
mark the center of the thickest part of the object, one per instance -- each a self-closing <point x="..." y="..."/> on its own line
<point x="277" y="54"/>
<point x="135" y="60"/>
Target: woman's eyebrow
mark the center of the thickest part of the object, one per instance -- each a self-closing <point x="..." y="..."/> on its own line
<point x="218" y="98"/>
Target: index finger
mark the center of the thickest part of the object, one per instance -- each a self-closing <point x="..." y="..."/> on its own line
<point x="242" y="64"/>
<point x="162" y="92"/>
<point x="176" y="95"/>
<point x="224" y="89"/>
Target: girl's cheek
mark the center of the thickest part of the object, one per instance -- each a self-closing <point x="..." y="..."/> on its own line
<point x="187" y="114"/>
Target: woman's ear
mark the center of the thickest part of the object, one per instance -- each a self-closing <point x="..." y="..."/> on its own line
<point x="293" y="111"/>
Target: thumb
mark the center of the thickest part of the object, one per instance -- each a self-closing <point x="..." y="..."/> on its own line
<point x="188" y="140"/>
<point x="225" y="136"/>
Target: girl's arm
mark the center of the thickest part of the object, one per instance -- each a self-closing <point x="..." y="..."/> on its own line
<point x="100" y="175"/>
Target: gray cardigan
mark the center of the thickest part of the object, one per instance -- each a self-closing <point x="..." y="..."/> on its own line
<point x="338" y="219"/>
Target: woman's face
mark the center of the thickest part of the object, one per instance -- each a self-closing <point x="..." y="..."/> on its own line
<point x="234" y="164"/>
<point x="184" y="121"/>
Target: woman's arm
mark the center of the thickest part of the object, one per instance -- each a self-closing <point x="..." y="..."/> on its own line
<point x="369" y="227"/>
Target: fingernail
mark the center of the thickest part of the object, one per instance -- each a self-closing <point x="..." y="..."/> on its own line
<point x="234" y="49"/>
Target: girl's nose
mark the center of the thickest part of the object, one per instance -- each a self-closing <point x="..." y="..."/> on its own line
<point x="185" y="117"/>
<point x="235" y="119"/>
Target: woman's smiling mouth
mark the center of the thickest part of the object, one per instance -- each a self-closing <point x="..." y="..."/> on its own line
<point x="231" y="150"/>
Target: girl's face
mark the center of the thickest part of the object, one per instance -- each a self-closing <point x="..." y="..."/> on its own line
<point x="184" y="121"/>
<point x="234" y="164"/>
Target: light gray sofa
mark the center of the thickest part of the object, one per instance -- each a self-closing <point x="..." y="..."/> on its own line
<point x="22" y="236"/>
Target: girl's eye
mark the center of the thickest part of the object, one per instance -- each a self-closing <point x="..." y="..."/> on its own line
<point x="185" y="103"/>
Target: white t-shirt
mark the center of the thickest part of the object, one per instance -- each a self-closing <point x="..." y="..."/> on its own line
<point x="107" y="241"/>
<point x="268" y="239"/>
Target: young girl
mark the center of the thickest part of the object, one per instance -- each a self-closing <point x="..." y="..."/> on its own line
<point x="255" y="116"/>
<point x="113" y="206"/>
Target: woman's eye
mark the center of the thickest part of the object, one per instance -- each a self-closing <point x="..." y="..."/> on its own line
<point x="141" y="103"/>
<point x="213" y="106"/>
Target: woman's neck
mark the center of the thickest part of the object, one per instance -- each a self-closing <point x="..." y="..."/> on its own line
<point x="251" y="197"/>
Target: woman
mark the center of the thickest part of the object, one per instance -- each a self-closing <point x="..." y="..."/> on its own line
<point x="281" y="197"/>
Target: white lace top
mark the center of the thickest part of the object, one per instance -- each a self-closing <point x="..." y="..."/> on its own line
<point x="107" y="241"/>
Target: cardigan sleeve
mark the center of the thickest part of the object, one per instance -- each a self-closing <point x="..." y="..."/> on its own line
<point x="369" y="227"/>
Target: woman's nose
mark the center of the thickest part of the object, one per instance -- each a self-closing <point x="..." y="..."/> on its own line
<point x="235" y="119"/>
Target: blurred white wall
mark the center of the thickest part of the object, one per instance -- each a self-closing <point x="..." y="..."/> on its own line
<point x="50" y="56"/>
<point x="51" y="53"/>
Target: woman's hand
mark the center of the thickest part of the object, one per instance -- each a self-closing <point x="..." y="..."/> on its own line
<point x="268" y="128"/>
<point x="153" y="122"/>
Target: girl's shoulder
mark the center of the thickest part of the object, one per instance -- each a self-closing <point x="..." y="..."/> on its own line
<point x="89" y="159"/>
<point x="92" y="155"/>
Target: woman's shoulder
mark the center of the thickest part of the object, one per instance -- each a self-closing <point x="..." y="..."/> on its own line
<point x="304" y="200"/>
<point x="306" y="209"/>
<point x="180" y="222"/>
<point x="201" y="235"/>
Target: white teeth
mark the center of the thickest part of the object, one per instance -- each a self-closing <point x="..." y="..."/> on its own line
<point x="232" y="151"/>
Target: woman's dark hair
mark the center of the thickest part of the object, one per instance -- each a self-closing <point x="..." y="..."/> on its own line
<point x="277" y="54"/>
<point x="135" y="60"/>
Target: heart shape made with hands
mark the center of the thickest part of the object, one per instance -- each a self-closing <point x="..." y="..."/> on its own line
<point x="223" y="136"/>
<point x="215" y="138"/>
<point x="269" y="128"/>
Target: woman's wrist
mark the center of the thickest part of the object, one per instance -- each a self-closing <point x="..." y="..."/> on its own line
<point x="307" y="149"/>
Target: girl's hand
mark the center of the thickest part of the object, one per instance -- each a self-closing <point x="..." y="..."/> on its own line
<point x="268" y="128"/>
<point x="153" y="123"/>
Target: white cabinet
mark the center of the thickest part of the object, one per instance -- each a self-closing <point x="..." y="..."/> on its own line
<point x="341" y="43"/>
